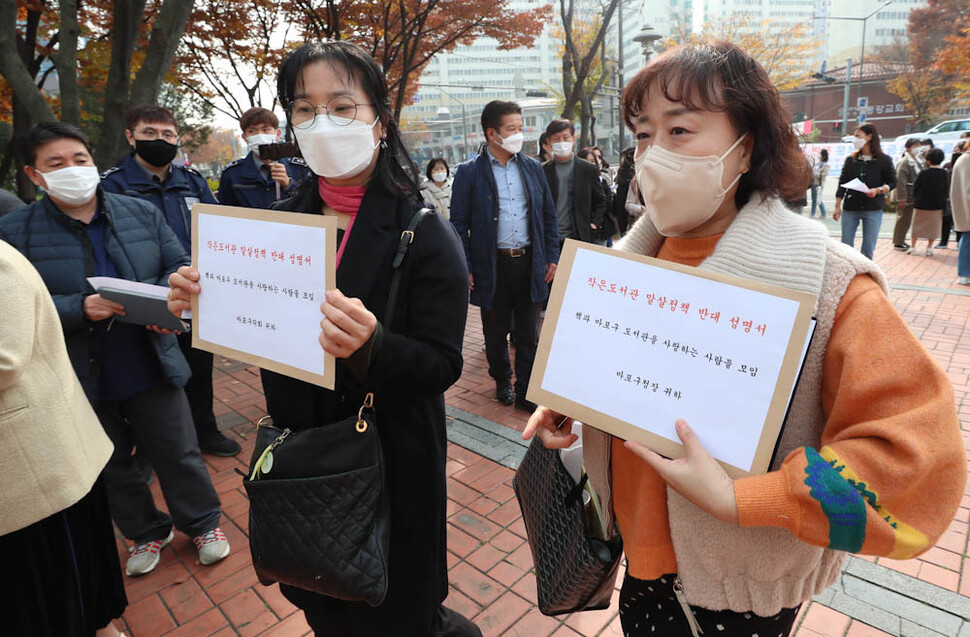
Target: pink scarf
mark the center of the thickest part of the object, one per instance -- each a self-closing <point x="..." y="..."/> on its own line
<point x="345" y="199"/>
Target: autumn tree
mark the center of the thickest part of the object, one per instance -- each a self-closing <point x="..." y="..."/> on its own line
<point x="28" y="36"/>
<point x="940" y="41"/>
<point x="404" y="35"/>
<point x="231" y="51"/>
<point x="929" y="74"/>
<point x="953" y="59"/>
<point x="218" y="150"/>
<point x="930" y="25"/>
<point x="584" y="64"/>
<point x="785" y="52"/>
<point x="924" y="90"/>
<point x="38" y="37"/>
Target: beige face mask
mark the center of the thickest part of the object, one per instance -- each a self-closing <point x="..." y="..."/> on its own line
<point x="681" y="192"/>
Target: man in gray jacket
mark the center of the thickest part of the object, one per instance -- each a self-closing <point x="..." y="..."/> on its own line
<point x="906" y="171"/>
<point x="133" y="375"/>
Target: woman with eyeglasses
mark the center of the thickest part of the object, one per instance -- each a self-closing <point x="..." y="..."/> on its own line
<point x="337" y="104"/>
<point x="868" y="462"/>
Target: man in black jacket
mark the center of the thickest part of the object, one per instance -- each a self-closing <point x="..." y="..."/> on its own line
<point x="575" y="184"/>
<point x="150" y="173"/>
<point x="132" y="375"/>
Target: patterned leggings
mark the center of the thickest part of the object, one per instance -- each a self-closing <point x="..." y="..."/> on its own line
<point x="650" y="609"/>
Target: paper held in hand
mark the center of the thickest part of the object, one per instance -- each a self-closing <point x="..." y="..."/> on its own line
<point x="857" y="185"/>
<point x="263" y="275"/>
<point x="630" y="344"/>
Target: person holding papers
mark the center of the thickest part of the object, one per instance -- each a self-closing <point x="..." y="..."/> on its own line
<point x="133" y="376"/>
<point x="868" y="461"/>
<point x="867" y="177"/>
<point x="336" y="99"/>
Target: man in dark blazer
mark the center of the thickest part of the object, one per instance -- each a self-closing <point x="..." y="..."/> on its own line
<point x="575" y="185"/>
<point x="503" y="211"/>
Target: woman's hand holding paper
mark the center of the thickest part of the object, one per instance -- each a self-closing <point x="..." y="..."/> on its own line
<point x="183" y="284"/>
<point x="697" y="476"/>
<point x="554" y="429"/>
<point x="346" y="326"/>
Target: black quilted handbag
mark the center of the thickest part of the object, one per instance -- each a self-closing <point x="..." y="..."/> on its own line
<point x="574" y="570"/>
<point x="319" y="516"/>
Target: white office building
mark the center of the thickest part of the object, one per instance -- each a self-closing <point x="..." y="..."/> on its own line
<point x="839" y="38"/>
<point x="845" y="36"/>
<point x="456" y="85"/>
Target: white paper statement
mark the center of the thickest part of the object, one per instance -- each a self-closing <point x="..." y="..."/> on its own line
<point x="648" y="345"/>
<point x="262" y="286"/>
<point x="857" y="185"/>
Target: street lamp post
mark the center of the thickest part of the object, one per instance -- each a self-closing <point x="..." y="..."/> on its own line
<point x="464" y="129"/>
<point x="646" y="37"/>
<point x="863" y="20"/>
<point x="619" y="66"/>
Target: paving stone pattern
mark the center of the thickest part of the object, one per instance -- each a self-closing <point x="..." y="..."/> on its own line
<point x="489" y="560"/>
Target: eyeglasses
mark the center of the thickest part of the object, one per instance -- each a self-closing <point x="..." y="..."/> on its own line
<point x="341" y="111"/>
<point x="152" y="133"/>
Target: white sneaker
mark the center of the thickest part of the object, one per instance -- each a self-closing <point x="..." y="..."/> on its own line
<point x="928" y="253"/>
<point x="212" y="545"/>
<point x="963" y="280"/>
<point x="144" y="557"/>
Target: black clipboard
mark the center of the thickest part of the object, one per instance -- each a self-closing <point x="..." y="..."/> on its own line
<point x="143" y="309"/>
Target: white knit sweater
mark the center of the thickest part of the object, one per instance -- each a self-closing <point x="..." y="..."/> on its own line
<point x="724" y="566"/>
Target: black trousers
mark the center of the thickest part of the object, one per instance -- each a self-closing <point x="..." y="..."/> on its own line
<point x="947" y="226"/>
<point x="512" y="298"/>
<point x="650" y="608"/>
<point x="199" y="388"/>
<point x="158" y="422"/>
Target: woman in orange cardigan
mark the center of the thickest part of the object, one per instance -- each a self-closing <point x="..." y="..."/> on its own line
<point x="869" y="461"/>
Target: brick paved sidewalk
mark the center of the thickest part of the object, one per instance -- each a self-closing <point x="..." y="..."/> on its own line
<point x="489" y="560"/>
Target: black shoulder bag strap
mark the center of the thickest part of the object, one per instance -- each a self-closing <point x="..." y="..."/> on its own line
<point x="407" y="238"/>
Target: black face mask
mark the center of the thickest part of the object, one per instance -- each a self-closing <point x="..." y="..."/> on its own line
<point x="156" y="152"/>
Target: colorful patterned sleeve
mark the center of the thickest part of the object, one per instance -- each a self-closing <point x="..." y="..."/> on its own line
<point x="891" y="469"/>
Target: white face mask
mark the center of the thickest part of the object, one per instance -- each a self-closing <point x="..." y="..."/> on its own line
<point x="858" y="142"/>
<point x="513" y="143"/>
<point x="74" y="185"/>
<point x="255" y="141"/>
<point x="439" y="176"/>
<point x="680" y="192"/>
<point x="562" y="149"/>
<point x="337" y="152"/>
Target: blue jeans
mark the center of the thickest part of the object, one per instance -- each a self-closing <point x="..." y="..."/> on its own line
<point x="963" y="259"/>
<point x="817" y="197"/>
<point x="871" y="221"/>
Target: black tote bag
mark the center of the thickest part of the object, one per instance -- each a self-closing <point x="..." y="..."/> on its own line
<point x="575" y="571"/>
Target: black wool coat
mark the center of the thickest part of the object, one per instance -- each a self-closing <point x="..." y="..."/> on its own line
<point x="419" y="358"/>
